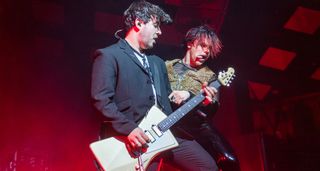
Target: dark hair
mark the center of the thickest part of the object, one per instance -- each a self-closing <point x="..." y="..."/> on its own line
<point x="201" y="33"/>
<point x="144" y="11"/>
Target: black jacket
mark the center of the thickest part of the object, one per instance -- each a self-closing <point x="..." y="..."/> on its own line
<point x="121" y="88"/>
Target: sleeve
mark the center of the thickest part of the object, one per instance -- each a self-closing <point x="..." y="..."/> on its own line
<point x="165" y="76"/>
<point x="103" y="87"/>
<point x="209" y="110"/>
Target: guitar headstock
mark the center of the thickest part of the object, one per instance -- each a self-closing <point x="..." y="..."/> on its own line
<point x="225" y="77"/>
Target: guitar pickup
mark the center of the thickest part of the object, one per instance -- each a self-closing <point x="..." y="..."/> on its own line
<point x="151" y="138"/>
<point x="157" y="131"/>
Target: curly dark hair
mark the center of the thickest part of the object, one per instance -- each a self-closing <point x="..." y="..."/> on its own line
<point x="201" y="33"/>
<point x="144" y="11"/>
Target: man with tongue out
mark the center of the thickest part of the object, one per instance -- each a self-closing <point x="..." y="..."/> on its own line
<point x="190" y="73"/>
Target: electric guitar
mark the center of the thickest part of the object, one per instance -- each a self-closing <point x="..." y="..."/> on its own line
<point x="112" y="153"/>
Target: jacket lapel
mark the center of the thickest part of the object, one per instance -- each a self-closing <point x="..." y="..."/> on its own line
<point x="127" y="50"/>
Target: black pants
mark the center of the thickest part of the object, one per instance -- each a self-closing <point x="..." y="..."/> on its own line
<point x="219" y="148"/>
<point x="212" y="140"/>
<point x="188" y="156"/>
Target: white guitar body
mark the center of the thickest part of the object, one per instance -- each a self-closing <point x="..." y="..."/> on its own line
<point x="112" y="154"/>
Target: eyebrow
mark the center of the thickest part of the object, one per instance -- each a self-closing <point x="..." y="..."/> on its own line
<point x="156" y="24"/>
<point x="155" y="19"/>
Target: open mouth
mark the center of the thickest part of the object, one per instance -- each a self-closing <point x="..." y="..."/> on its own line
<point x="201" y="58"/>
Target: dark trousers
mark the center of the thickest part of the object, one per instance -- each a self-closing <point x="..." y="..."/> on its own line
<point x="219" y="148"/>
<point x="212" y="141"/>
<point x="188" y="156"/>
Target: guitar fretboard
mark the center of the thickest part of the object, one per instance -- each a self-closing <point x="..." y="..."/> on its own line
<point x="166" y="124"/>
<point x="179" y="113"/>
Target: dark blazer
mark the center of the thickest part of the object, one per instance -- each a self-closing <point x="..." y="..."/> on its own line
<point x="121" y="88"/>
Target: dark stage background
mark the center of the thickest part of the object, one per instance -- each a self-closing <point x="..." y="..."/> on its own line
<point x="270" y="113"/>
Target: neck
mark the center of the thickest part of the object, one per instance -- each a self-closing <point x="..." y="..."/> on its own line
<point x="186" y="60"/>
<point x="132" y="39"/>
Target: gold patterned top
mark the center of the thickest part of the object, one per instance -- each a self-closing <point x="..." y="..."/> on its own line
<point x="190" y="80"/>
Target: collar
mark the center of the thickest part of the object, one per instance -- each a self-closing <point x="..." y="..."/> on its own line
<point x="125" y="43"/>
<point x="187" y="66"/>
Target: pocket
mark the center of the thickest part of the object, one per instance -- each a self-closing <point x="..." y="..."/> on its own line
<point x="124" y="105"/>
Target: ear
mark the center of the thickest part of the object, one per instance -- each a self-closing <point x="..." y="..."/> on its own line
<point x="189" y="44"/>
<point x="138" y="23"/>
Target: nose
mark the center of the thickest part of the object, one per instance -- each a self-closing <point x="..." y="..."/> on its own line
<point x="159" y="31"/>
<point x="206" y="50"/>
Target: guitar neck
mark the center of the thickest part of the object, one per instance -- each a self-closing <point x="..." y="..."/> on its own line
<point x="173" y="118"/>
